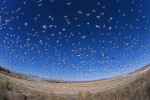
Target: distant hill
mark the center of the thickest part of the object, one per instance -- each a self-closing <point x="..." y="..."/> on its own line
<point x="27" y="77"/>
<point x="143" y="68"/>
<point x="2" y="69"/>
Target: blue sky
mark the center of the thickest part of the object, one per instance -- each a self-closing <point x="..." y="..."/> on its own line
<point x="74" y="40"/>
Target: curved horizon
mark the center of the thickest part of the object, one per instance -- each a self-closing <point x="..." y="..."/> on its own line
<point x="75" y="40"/>
<point x="77" y="80"/>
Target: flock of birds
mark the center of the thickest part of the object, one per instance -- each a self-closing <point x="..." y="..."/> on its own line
<point x="85" y="43"/>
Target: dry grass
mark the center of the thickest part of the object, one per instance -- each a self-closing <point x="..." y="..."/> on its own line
<point x="9" y="92"/>
<point x="138" y="89"/>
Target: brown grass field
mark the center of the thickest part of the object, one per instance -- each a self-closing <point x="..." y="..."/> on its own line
<point x="132" y="86"/>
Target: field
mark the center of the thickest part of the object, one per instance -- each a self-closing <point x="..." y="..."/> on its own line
<point x="133" y="86"/>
